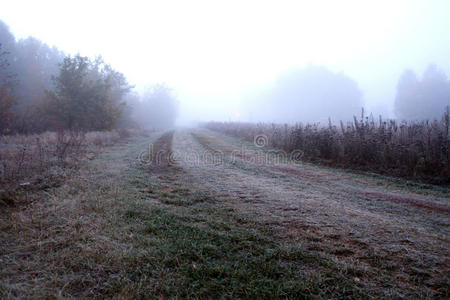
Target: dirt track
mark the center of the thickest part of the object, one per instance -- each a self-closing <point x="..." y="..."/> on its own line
<point x="196" y="214"/>
<point x="396" y="232"/>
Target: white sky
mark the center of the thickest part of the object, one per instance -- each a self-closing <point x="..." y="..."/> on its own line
<point x="213" y="52"/>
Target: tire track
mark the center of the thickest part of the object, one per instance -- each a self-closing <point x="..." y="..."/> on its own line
<point x="326" y="212"/>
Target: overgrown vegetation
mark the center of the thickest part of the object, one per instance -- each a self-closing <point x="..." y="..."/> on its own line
<point x="417" y="150"/>
<point x="42" y="161"/>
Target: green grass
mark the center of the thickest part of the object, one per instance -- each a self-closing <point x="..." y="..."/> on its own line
<point x="207" y="250"/>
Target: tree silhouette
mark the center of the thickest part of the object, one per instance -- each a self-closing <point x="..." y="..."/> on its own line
<point x="314" y="94"/>
<point x="424" y="98"/>
<point x="158" y="108"/>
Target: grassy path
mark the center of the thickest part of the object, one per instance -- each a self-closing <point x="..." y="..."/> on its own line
<point x="173" y="224"/>
<point x="396" y="234"/>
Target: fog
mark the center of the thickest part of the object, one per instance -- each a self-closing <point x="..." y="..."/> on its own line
<point x="280" y="61"/>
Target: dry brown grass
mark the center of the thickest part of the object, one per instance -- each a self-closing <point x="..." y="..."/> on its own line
<point x="41" y="161"/>
<point x="416" y="150"/>
<point x="61" y="242"/>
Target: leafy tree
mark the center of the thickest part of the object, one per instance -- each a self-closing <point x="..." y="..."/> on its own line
<point x="48" y="91"/>
<point x="88" y="95"/>
<point x="424" y="98"/>
<point x="33" y="64"/>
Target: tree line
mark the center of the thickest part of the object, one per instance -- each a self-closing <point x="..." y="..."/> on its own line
<point x="42" y="88"/>
<point x="314" y="94"/>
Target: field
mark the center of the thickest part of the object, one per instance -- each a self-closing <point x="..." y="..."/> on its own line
<point x="196" y="213"/>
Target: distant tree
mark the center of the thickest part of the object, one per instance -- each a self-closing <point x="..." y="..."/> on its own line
<point x="7" y="79"/>
<point x="7" y="56"/>
<point x="7" y="100"/>
<point x="158" y="108"/>
<point x="422" y="99"/>
<point x="48" y="90"/>
<point x="407" y="87"/>
<point x="7" y="39"/>
<point x="128" y="117"/>
<point x="33" y="64"/>
<point x="36" y="64"/>
<point x="313" y="94"/>
<point x="6" y="114"/>
<point x="88" y="95"/>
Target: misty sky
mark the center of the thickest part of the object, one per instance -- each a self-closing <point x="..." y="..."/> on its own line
<point x="215" y="54"/>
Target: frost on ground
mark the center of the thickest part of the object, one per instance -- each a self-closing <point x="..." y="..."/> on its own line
<point x="398" y="234"/>
<point x="194" y="213"/>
